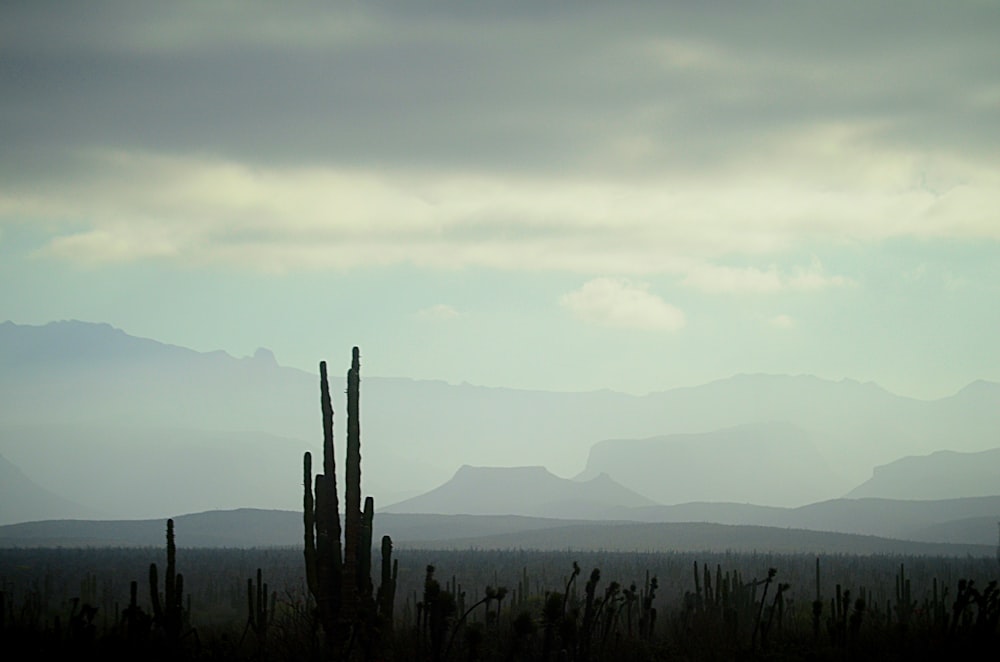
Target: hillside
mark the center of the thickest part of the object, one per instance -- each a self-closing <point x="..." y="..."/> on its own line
<point x="21" y="499"/>
<point x="774" y="464"/>
<point x="698" y="537"/>
<point x="527" y="491"/>
<point x="256" y="528"/>
<point x="940" y="475"/>
<point x="969" y="520"/>
<point x="149" y="472"/>
<point x="82" y="406"/>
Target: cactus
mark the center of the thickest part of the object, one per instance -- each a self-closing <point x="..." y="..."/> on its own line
<point x="905" y="604"/>
<point x="817" y="606"/>
<point x="647" y="617"/>
<point x="589" y="613"/>
<point x="134" y="619"/>
<point x="699" y="601"/>
<point x="352" y="496"/>
<point x="857" y="616"/>
<point x="259" y="613"/>
<point x="771" y="572"/>
<point x="168" y="614"/>
<point x="365" y="552"/>
<point x="490" y="594"/>
<point x="438" y="608"/>
<point x="338" y="573"/>
<point x="387" y="587"/>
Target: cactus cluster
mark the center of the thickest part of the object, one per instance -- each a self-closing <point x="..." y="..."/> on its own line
<point x="731" y="603"/>
<point x="260" y="612"/>
<point x="338" y="567"/>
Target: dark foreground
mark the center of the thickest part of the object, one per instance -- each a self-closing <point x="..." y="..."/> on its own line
<point x="505" y="605"/>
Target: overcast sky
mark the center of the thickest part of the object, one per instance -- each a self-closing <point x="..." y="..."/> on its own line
<point x="548" y="195"/>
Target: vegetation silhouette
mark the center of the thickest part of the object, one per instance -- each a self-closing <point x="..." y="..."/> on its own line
<point x="330" y="610"/>
<point x="338" y="573"/>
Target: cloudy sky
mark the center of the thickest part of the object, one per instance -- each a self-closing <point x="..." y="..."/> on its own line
<point x="548" y="195"/>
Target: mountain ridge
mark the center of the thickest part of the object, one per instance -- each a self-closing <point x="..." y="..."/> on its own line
<point x="417" y="433"/>
<point x="530" y="491"/>
<point x="246" y="527"/>
<point x="935" y="476"/>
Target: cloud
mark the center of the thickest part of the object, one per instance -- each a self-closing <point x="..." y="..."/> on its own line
<point x="116" y="206"/>
<point x="647" y="141"/>
<point x="439" y="311"/>
<point x="661" y="88"/>
<point x="621" y="303"/>
<point x="782" y="321"/>
<point x="723" y="279"/>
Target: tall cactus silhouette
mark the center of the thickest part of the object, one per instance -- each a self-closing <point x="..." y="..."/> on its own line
<point x="170" y="613"/>
<point x="387" y="588"/>
<point x="352" y="493"/>
<point x="339" y="575"/>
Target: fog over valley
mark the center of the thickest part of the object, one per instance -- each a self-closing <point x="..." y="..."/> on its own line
<point x="493" y="331"/>
<point x="98" y="424"/>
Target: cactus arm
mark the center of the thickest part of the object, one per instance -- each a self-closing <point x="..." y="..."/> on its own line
<point x="352" y="495"/>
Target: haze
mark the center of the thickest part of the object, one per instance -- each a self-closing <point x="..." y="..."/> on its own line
<point x="554" y="197"/>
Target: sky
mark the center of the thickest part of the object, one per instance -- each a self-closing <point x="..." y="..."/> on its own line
<point x="557" y="196"/>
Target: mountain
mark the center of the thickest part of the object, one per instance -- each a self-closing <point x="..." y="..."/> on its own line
<point x="251" y="527"/>
<point x="940" y="475"/>
<point x="21" y="499"/>
<point x="968" y="520"/>
<point x="760" y="463"/>
<point x="244" y="528"/>
<point x="129" y="472"/>
<point x="72" y="373"/>
<point x="975" y="530"/>
<point x="527" y="491"/>
<point x="82" y="404"/>
<point x="701" y="537"/>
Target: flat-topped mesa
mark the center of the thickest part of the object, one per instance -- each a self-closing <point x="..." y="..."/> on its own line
<point x="338" y="573"/>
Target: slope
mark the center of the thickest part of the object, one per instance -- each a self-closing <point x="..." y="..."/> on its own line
<point x="527" y="491"/>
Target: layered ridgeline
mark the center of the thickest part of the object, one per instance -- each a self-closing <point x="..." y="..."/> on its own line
<point x="22" y="499"/>
<point x="131" y="427"/>
<point x="529" y="491"/>
<point x="939" y="475"/>
<point x="760" y="463"/>
<point x="877" y="526"/>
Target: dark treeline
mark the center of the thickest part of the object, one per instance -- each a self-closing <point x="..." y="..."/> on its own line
<point x="44" y="590"/>
<point x="339" y="598"/>
<point x="216" y="578"/>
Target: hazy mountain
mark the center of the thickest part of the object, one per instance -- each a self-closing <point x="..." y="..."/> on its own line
<point x="140" y="472"/>
<point x="245" y="527"/>
<point x="23" y="500"/>
<point x="250" y="527"/>
<point x="529" y="491"/>
<point x="698" y="537"/>
<point x="969" y="520"/>
<point x="80" y="373"/>
<point x="76" y="383"/>
<point x="262" y="528"/>
<point x="760" y="463"/>
<point x="940" y="475"/>
<point x="975" y="530"/>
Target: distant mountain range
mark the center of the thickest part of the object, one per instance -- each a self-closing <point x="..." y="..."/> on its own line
<point x="530" y="491"/>
<point x="132" y="428"/>
<point x="21" y="499"/>
<point x="261" y="528"/>
<point x="762" y="463"/>
<point x="939" y="475"/>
